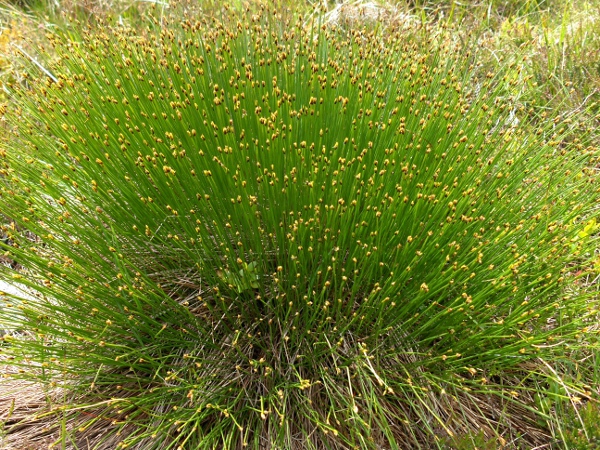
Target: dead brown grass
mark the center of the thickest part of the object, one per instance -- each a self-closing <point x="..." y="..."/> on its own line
<point x="359" y="13"/>
<point x="34" y="416"/>
<point x="21" y="405"/>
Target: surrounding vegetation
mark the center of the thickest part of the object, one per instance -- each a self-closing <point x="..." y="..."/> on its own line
<point x="314" y="226"/>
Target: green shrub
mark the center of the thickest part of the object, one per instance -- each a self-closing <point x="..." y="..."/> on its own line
<point x="582" y="430"/>
<point x="279" y="235"/>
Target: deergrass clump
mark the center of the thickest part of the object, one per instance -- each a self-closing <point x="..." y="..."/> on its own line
<point x="276" y="235"/>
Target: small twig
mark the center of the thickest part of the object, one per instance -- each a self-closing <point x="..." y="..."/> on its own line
<point x="34" y="61"/>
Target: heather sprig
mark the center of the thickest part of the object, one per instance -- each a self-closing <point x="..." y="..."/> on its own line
<point x="284" y="235"/>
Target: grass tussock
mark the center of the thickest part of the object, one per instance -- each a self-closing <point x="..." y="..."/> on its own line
<point x="270" y="232"/>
